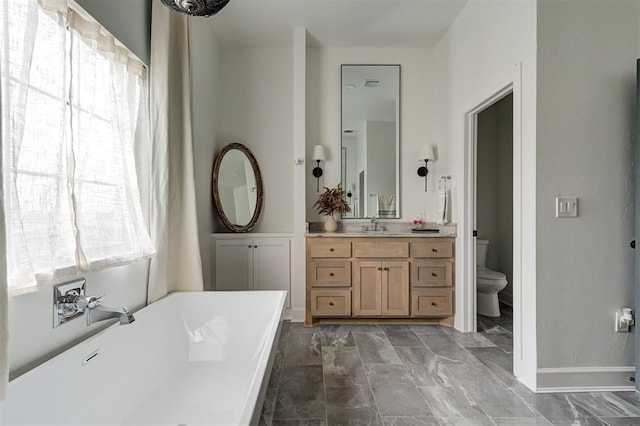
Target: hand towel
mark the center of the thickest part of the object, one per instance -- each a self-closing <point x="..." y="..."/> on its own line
<point x="386" y="206"/>
<point x="443" y="205"/>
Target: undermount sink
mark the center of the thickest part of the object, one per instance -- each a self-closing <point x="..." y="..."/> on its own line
<point x="380" y="232"/>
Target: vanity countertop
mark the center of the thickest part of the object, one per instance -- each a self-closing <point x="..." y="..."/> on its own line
<point x="391" y="230"/>
<point x="381" y="234"/>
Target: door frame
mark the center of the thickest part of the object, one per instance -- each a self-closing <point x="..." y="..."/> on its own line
<point x="524" y="317"/>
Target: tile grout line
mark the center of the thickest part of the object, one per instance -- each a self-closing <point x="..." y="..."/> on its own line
<point x="324" y="382"/>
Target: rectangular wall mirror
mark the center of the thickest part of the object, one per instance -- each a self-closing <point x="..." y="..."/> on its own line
<point x="371" y="140"/>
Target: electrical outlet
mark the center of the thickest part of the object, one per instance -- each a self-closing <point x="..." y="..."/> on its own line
<point x="621" y="326"/>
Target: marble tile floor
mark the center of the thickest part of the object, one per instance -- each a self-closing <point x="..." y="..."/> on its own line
<point x="419" y="375"/>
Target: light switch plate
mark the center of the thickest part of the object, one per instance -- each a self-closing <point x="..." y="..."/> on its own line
<point x="566" y="206"/>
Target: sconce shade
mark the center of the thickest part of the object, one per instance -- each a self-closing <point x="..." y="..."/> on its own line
<point x="426" y="153"/>
<point x="204" y="8"/>
<point x="318" y="153"/>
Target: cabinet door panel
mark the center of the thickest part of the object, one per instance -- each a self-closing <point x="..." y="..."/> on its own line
<point x="367" y="288"/>
<point x="395" y="288"/>
<point x="432" y="273"/>
<point x="331" y="303"/>
<point x="432" y="302"/>
<point x="432" y="249"/>
<point x="329" y="273"/>
<point x="233" y="265"/>
<point x="381" y="249"/>
<point x="272" y="269"/>
<point x="335" y="247"/>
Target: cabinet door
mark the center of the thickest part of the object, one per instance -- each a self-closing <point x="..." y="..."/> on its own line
<point x="329" y="273"/>
<point x="434" y="302"/>
<point x="234" y="260"/>
<point x="367" y="286"/>
<point x="432" y="273"/>
<point x="272" y="265"/>
<point x="395" y="288"/>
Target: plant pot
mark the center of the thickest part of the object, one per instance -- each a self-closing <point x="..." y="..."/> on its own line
<point x="330" y="225"/>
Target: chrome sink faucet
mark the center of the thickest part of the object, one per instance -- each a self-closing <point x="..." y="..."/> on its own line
<point x="374" y="224"/>
<point x="96" y="311"/>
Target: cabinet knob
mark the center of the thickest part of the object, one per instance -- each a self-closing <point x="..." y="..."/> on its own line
<point x="386" y="268"/>
<point x="434" y="304"/>
<point x="330" y="303"/>
<point x="331" y="274"/>
<point x="379" y="269"/>
<point x="433" y="274"/>
<point x="255" y="246"/>
<point x="434" y="250"/>
<point x="249" y="246"/>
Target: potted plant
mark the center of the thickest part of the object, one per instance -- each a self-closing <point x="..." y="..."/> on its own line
<point x="332" y="200"/>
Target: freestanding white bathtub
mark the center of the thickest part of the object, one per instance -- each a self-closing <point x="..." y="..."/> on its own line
<point x="188" y="359"/>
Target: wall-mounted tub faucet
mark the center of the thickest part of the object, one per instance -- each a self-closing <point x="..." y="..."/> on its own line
<point x="96" y="311"/>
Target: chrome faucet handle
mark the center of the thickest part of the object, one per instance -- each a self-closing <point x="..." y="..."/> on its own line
<point x="95" y="301"/>
<point x="89" y="302"/>
<point x="374" y="219"/>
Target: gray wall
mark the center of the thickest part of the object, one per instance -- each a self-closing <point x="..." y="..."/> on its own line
<point x="495" y="188"/>
<point x="586" y="81"/>
<point x="505" y="189"/>
<point x="205" y="109"/>
<point x="32" y="336"/>
<point x="128" y="20"/>
<point x="255" y="107"/>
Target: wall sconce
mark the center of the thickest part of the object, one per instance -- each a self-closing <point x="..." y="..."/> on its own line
<point x="318" y="156"/>
<point x="425" y="155"/>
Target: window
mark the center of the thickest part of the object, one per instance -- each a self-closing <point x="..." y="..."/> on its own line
<point x="74" y="134"/>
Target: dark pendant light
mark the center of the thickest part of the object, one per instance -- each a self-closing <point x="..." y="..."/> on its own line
<point x="204" y="8"/>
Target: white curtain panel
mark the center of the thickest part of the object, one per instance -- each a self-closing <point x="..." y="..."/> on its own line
<point x="73" y="115"/>
<point x="177" y="266"/>
<point x="72" y="101"/>
<point x="4" y="290"/>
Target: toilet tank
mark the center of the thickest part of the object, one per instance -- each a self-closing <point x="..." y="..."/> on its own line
<point x="482" y="246"/>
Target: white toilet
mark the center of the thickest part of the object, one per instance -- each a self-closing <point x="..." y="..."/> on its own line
<point x="488" y="282"/>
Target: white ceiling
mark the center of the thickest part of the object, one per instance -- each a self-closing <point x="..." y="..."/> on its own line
<point x="336" y="23"/>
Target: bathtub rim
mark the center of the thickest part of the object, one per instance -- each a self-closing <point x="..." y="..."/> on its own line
<point x="252" y="397"/>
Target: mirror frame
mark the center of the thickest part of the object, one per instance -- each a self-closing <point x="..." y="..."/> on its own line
<point x="398" y="146"/>
<point x="216" y="195"/>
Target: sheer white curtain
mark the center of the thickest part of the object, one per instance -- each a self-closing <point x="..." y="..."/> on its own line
<point x="4" y="289"/>
<point x="177" y="266"/>
<point x="71" y="104"/>
<point x="73" y="108"/>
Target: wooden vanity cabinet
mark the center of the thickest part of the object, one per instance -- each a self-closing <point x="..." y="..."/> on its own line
<point x="380" y="279"/>
<point x="381" y="288"/>
<point x="432" y="278"/>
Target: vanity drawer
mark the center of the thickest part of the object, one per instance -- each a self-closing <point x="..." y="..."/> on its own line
<point x="431" y="302"/>
<point x="330" y="248"/>
<point x="331" y="303"/>
<point x="381" y="249"/>
<point x="431" y="273"/>
<point x="432" y="249"/>
<point x="329" y="273"/>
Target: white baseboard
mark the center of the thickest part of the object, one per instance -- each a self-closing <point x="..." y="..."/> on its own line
<point x="294" y="315"/>
<point x="585" y="379"/>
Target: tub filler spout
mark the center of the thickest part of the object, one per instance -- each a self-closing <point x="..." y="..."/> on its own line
<point x="96" y="311"/>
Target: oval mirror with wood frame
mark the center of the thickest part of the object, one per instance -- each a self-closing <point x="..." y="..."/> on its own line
<point x="237" y="187"/>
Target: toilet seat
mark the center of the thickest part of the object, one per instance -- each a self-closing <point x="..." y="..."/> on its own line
<point x="488" y="274"/>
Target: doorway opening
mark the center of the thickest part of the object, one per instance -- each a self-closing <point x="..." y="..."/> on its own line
<point x="524" y="352"/>
<point x="494" y="224"/>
